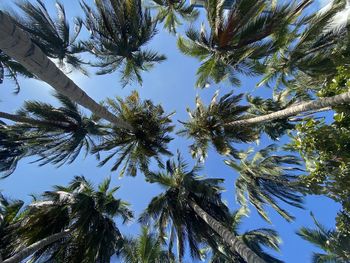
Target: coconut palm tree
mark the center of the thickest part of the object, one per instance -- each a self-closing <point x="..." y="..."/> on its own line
<point x="12" y="149"/>
<point x="18" y="45"/>
<point x="171" y="11"/>
<point x="266" y="177"/>
<point x="119" y="29"/>
<point x="11" y="69"/>
<point x="56" y="134"/>
<point x="146" y="248"/>
<point x="72" y="224"/>
<point x="181" y="210"/>
<point x="335" y="245"/>
<point x="52" y="36"/>
<point x="256" y="239"/>
<point x="250" y="32"/>
<point x="147" y="141"/>
<point x="206" y="125"/>
<point x="225" y="122"/>
<point x="315" y="50"/>
<point x="9" y="218"/>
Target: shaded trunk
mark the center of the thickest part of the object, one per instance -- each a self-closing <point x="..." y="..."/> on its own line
<point x="235" y="244"/>
<point x="17" y="44"/>
<point x="315" y="105"/>
<point x="26" y="252"/>
<point x="22" y="119"/>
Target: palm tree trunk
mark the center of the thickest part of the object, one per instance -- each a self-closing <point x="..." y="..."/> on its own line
<point x="236" y="245"/>
<point x="23" y="254"/>
<point x="17" y="44"/>
<point x="295" y="110"/>
<point x="22" y="119"/>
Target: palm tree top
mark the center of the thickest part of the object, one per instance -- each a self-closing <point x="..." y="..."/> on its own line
<point x="54" y="36"/>
<point x="146" y="248"/>
<point x="64" y="131"/>
<point x="207" y="125"/>
<point x="239" y="40"/>
<point x="335" y="244"/>
<point x="87" y="213"/>
<point x="148" y="139"/>
<point x="266" y="177"/>
<point x="118" y="31"/>
<point x="172" y="11"/>
<point x="171" y="209"/>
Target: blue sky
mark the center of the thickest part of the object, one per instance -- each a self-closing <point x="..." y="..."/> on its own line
<point x="170" y="83"/>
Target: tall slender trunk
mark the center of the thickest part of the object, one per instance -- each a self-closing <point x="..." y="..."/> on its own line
<point x="15" y="43"/>
<point x="314" y="105"/>
<point x="22" y="119"/>
<point x="26" y="252"/>
<point x="236" y="245"/>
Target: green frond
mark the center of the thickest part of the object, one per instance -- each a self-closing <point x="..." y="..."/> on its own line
<point x="265" y="178"/>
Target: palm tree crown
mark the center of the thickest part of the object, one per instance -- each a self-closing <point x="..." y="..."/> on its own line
<point x="147" y="248"/>
<point x="58" y="134"/>
<point x="265" y="177"/>
<point x="119" y="28"/>
<point x="335" y="244"/>
<point x="311" y="57"/>
<point x="147" y="140"/>
<point x="171" y="11"/>
<point x="207" y="125"/>
<point x="251" y="31"/>
<point x="88" y="216"/>
<point x="171" y="209"/>
<point x="53" y="36"/>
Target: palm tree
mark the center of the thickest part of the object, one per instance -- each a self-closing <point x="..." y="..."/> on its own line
<point x="206" y="125"/>
<point x="57" y="135"/>
<point x="147" y="248"/>
<point x="255" y="239"/>
<point x="223" y="123"/>
<point x="181" y="209"/>
<point x="17" y="44"/>
<point x="12" y="149"/>
<point x="119" y="29"/>
<point x="9" y="218"/>
<point x="147" y="141"/>
<point x="265" y="177"/>
<point x="72" y="224"/>
<point x="52" y="36"/>
<point x="11" y="69"/>
<point x="169" y="10"/>
<point x="250" y="32"/>
<point x="336" y="245"/>
<point x="315" y="50"/>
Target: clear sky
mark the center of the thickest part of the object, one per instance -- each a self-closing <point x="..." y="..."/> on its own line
<point x="170" y="83"/>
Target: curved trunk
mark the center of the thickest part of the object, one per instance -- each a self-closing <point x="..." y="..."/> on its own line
<point x="22" y="119"/>
<point x="235" y="244"/>
<point x="315" y="105"/>
<point x="17" y="44"/>
<point x="24" y="253"/>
